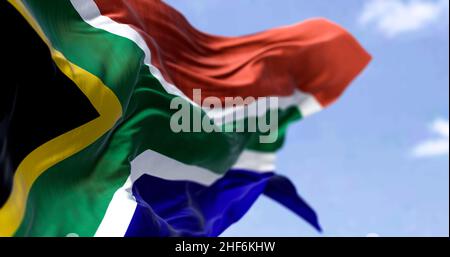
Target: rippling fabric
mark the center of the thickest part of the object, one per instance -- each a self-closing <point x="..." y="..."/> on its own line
<point x="86" y="145"/>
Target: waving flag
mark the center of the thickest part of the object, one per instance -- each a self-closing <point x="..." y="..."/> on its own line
<point x="86" y="140"/>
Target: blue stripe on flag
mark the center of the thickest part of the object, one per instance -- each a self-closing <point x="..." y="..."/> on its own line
<point x="182" y="208"/>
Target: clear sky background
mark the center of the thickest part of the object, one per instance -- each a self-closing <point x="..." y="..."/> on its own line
<point x="377" y="162"/>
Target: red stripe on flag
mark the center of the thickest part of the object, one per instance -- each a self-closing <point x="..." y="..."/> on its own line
<point x="317" y="57"/>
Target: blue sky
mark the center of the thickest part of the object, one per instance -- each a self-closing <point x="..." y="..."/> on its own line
<point x="376" y="162"/>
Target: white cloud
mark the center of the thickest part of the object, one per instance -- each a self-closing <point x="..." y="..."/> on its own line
<point x="438" y="146"/>
<point x="393" y="17"/>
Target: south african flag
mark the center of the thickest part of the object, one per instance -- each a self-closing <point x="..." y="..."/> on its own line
<point x="86" y="142"/>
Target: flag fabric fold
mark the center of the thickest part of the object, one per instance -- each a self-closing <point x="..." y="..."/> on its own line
<point x="114" y="166"/>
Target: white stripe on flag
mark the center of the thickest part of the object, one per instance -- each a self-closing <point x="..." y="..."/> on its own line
<point x="91" y="14"/>
<point x="256" y="161"/>
<point x="121" y="208"/>
<point x="157" y="165"/>
<point x="119" y="213"/>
